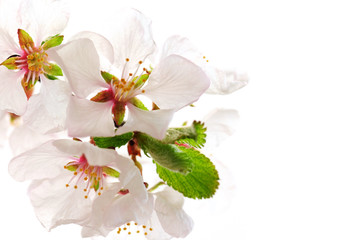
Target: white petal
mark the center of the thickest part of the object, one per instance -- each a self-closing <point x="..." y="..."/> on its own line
<point x="44" y="161"/>
<point x="46" y="112"/>
<point x="181" y="46"/>
<point x="8" y="46"/>
<point x="94" y="155"/>
<point x="154" y="123"/>
<point x="12" y="95"/>
<point x="23" y="139"/>
<point x="87" y="118"/>
<point x="4" y="126"/>
<point x="133" y="40"/>
<point x="158" y="232"/>
<point x="54" y="204"/>
<point x="175" y="83"/>
<point x="43" y="18"/>
<point x="220" y="123"/>
<point x="80" y="63"/>
<point x="126" y="209"/>
<point x="225" y="81"/>
<point x="102" y="45"/>
<point x="174" y="220"/>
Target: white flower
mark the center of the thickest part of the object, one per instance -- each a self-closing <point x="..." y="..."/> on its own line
<point x="174" y="83"/>
<point x="24" y="59"/>
<point x="161" y="218"/>
<point x="67" y="177"/>
<point x="222" y="81"/>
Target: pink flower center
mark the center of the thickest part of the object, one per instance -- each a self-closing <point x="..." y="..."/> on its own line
<point x="86" y="176"/>
<point x="33" y="61"/>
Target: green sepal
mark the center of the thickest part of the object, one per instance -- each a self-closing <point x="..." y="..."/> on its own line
<point x="141" y="80"/>
<point x="53" y="69"/>
<point x="52" y="41"/>
<point x="201" y="182"/>
<point x="193" y="135"/>
<point x="96" y="185"/>
<point x="139" y="104"/>
<point x="50" y="77"/>
<point x="108" y="77"/>
<point x="25" y="39"/>
<point x="71" y="168"/>
<point x="111" y="172"/>
<point x="103" y="96"/>
<point x="168" y="156"/>
<point x="10" y="63"/>
<point x="113" y="142"/>
<point x="118" y="113"/>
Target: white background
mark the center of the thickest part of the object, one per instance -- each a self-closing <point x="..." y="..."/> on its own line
<point x="292" y="170"/>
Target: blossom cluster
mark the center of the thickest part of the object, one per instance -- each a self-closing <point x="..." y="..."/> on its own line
<point x="90" y="106"/>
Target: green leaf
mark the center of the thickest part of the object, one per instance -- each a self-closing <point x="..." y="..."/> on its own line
<point x="139" y="104"/>
<point x="53" y="69"/>
<point x="201" y="182"/>
<point x="113" y="142"/>
<point x="52" y="41"/>
<point x="193" y="135"/>
<point x="168" y="156"/>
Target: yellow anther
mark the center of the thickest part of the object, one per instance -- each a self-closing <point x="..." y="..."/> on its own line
<point x="204" y="57"/>
<point x="140" y="62"/>
<point x="75" y="186"/>
<point x="145" y="233"/>
<point x="124" y="228"/>
<point x="127" y="59"/>
<point x="150" y="229"/>
<point x="129" y="233"/>
<point x="67" y="185"/>
<point x="135" y="224"/>
<point x="99" y="193"/>
<point x="85" y="197"/>
<point x="86" y="178"/>
<point x="144" y="226"/>
<point x="128" y="224"/>
<point x="75" y="173"/>
<point x="101" y="188"/>
<point x="143" y="91"/>
<point x="130" y="74"/>
<point x="138" y="231"/>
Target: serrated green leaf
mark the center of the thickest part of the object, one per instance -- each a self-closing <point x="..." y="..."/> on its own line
<point x="139" y="104"/>
<point x="53" y="69"/>
<point x="193" y="135"/>
<point x="52" y="41"/>
<point x="166" y="155"/>
<point x="113" y="142"/>
<point x="201" y="182"/>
